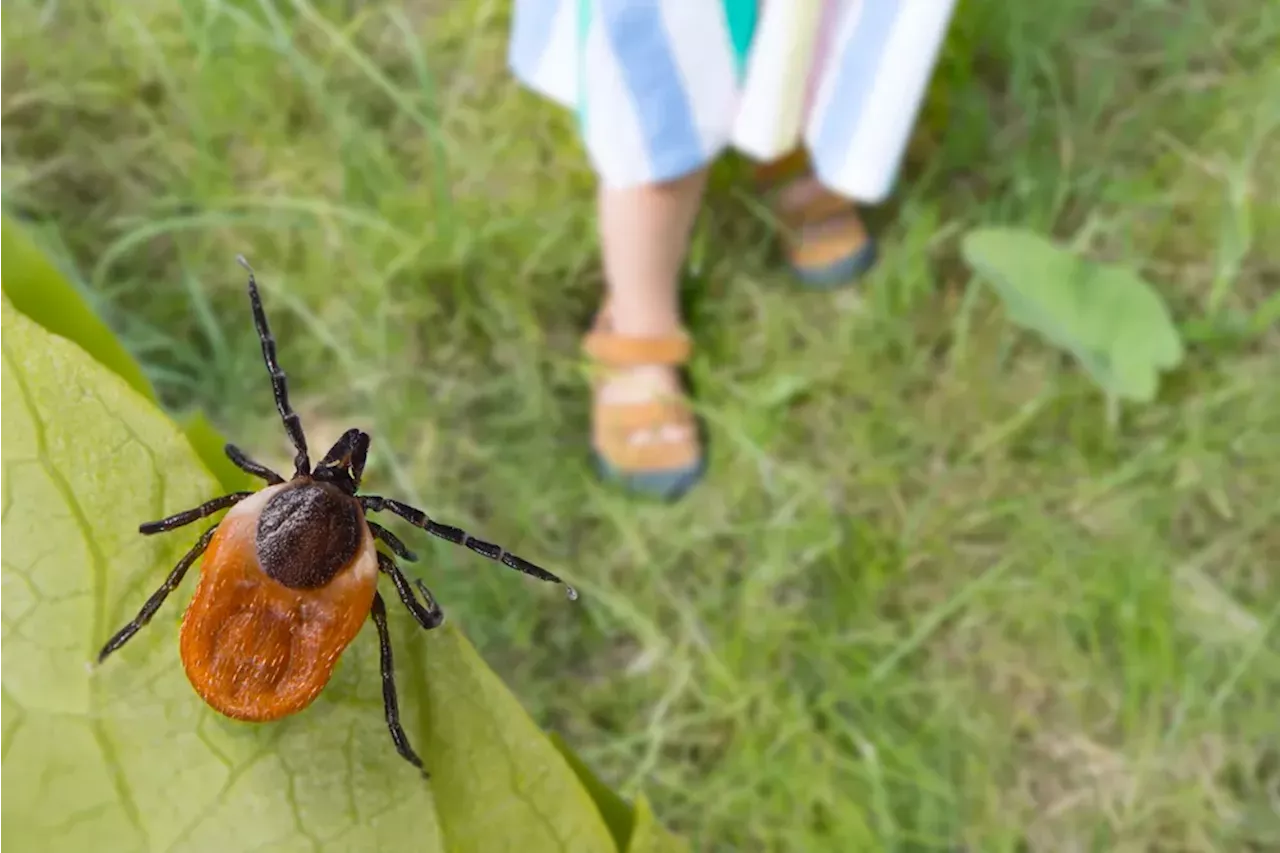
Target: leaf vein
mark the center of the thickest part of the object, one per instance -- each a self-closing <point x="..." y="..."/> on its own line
<point x="233" y="777"/>
<point x="98" y="561"/>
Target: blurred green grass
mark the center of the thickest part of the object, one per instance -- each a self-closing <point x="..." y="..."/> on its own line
<point x="925" y="600"/>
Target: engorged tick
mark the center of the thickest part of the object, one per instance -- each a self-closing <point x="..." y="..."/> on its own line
<point x="291" y="574"/>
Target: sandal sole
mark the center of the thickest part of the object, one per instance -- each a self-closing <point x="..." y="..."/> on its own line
<point x="667" y="485"/>
<point x="842" y="273"/>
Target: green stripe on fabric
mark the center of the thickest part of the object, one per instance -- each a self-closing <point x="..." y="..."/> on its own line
<point x="584" y="26"/>
<point x="741" y="15"/>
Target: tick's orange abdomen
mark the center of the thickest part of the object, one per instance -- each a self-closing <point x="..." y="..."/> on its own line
<point x="253" y="648"/>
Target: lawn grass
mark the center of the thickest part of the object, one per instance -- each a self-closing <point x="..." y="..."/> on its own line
<point x="926" y="599"/>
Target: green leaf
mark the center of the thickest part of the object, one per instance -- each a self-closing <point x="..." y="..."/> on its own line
<point x="615" y="811"/>
<point x="37" y="289"/>
<point x="499" y="782"/>
<point x="1107" y="316"/>
<point x="209" y="445"/>
<point x="649" y="836"/>
<point x="127" y="757"/>
<point x="635" y="829"/>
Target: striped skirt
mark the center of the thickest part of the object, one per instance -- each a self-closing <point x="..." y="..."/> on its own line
<point x="662" y="87"/>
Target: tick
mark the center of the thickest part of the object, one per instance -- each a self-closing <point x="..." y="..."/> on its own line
<point x="290" y="574"/>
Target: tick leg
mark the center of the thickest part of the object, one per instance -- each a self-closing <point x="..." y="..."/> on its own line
<point x="458" y="536"/>
<point x="393" y="542"/>
<point x="241" y="460"/>
<point x="279" y="385"/>
<point x="389" y="701"/>
<point x="157" y="598"/>
<point x="352" y="449"/>
<point x="428" y="617"/>
<point x="203" y="511"/>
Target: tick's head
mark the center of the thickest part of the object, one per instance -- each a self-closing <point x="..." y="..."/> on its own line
<point x="343" y="465"/>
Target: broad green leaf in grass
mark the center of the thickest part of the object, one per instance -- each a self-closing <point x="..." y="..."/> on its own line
<point x="37" y="289"/>
<point x="1107" y="316"/>
<point x="124" y="756"/>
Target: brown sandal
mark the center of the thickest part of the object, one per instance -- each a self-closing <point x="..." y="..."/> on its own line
<point x="658" y="467"/>
<point x="827" y="245"/>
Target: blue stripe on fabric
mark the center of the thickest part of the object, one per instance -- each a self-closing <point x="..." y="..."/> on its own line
<point x="638" y="38"/>
<point x="740" y="15"/>
<point x="530" y="34"/>
<point x="860" y="57"/>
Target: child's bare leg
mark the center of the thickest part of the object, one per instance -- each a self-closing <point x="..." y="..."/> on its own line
<point x="644" y="234"/>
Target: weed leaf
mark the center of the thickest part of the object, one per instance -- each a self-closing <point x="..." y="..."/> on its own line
<point x="1107" y="316"/>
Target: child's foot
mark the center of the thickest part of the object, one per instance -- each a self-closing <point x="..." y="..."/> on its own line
<point x="827" y="245"/>
<point x="643" y="432"/>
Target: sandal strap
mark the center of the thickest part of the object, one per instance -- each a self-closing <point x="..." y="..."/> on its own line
<point x="628" y="417"/>
<point x="774" y="178"/>
<point x="615" y="424"/>
<point x="614" y="350"/>
<point x="822" y="207"/>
